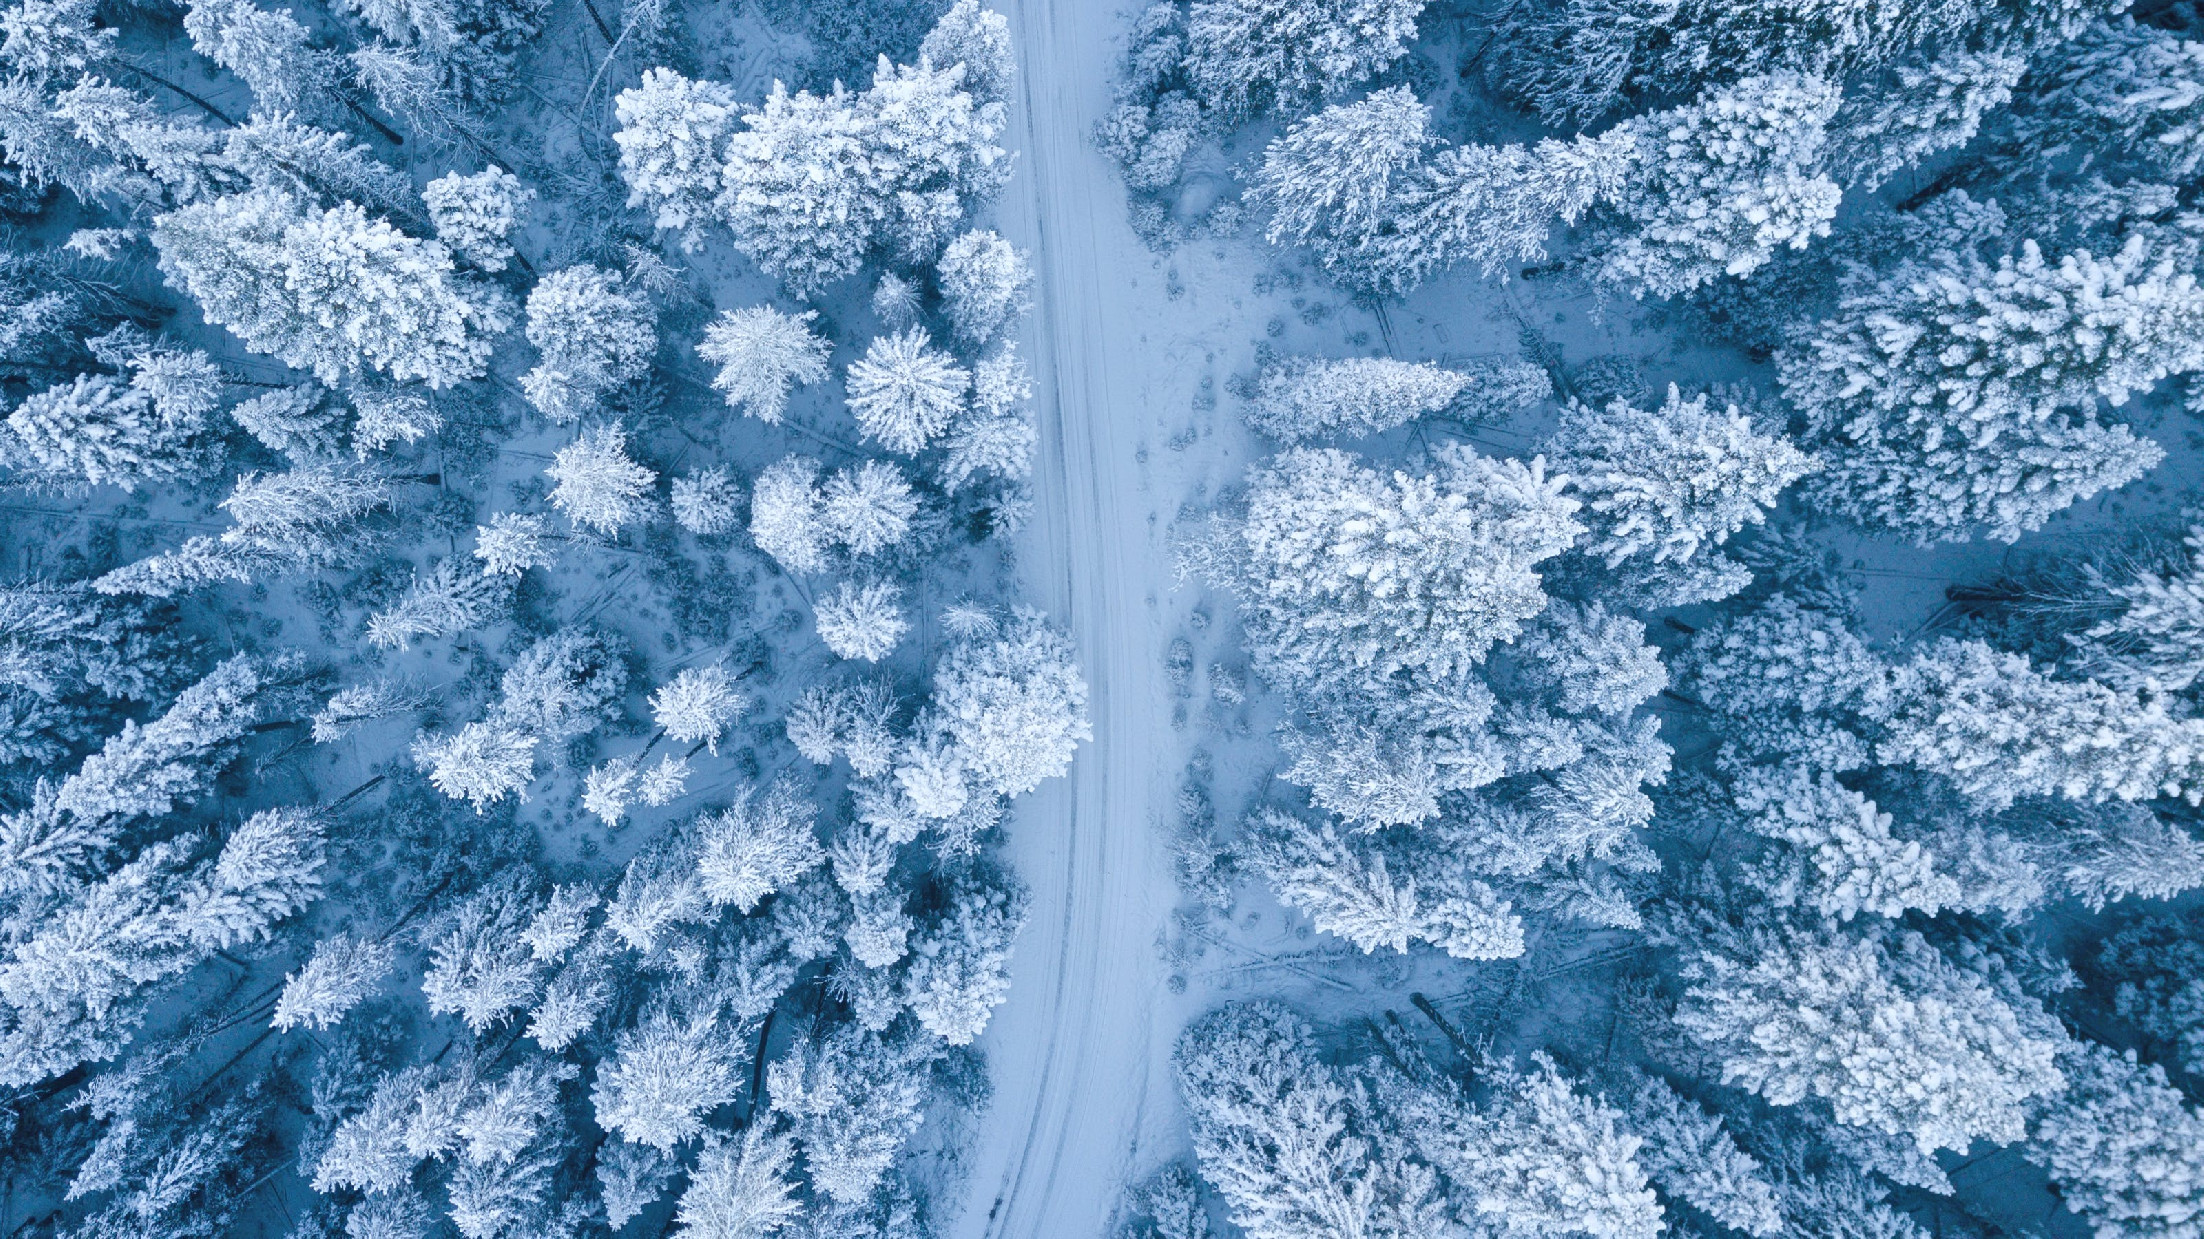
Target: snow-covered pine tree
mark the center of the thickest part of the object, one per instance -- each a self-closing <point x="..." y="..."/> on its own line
<point x="1247" y="57"/>
<point x="852" y="1098"/>
<point x="1274" y="1134"/>
<point x="271" y="53"/>
<point x="663" y="1075"/>
<point x="979" y="40"/>
<point x="1921" y="109"/>
<point x="1887" y="1031"/>
<point x="1955" y="392"/>
<point x="481" y="763"/>
<point x="785" y="518"/>
<point x="960" y="962"/>
<point x="861" y="621"/>
<point x="759" y="844"/>
<point x="698" y="705"/>
<point x="905" y="393"/>
<point x="1301" y="398"/>
<point x="2120" y="90"/>
<point x="596" y="484"/>
<point x="1014" y="703"/>
<point x="512" y="543"/>
<point x="762" y="354"/>
<point x="1418" y="572"/>
<point x="985" y="285"/>
<point x="1719" y="185"/>
<point x="594" y="334"/>
<point x="868" y="507"/>
<point x="441" y="602"/>
<point x="2155" y="643"/>
<point x="1662" y="490"/>
<point x="477" y="215"/>
<point x="2124" y="1148"/>
<point x="672" y="139"/>
<point x="2000" y="730"/>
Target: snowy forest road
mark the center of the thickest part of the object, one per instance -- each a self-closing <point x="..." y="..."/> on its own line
<point x="1078" y="1051"/>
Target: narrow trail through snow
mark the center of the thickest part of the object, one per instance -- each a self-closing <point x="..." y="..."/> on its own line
<point x="1077" y="1051"/>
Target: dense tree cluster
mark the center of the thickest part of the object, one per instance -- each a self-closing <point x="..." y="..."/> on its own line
<point x="1594" y="692"/>
<point x="423" y="797"/>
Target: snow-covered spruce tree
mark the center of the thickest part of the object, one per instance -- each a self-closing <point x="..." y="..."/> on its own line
<point x="342" y="972"/>
<point x="2155" y="644"/>
<point x="1663" y="490"/>
<point x="1719" y="185"/>
<point x="2124" y="1148"/>
<point x="1014" y="703"/>
<point x="1540" y="1158"/>
<point x="98" y="430"/>
<point x="1793" y="680"/>
<point x="698" y="705"/>
<point x="1496" y="205"/>
<point x="1346" y="575"/>
<point x="443" y="601"/>
<point x="2120" y="89"/>
<point x="594" y="334"/>
<point x="862" y="621"/>
<point x="672" y="139"/>
<point x="477" y="215"/>
<point x="1955" y="392"/>
<point x="1275" y="1133"/>
<point x="1302" y="398"/>
<point x="852" y="1098"/>
<point x="1335" y="182"/>
<point x="597" y="485"/>
<point x="1884" y="1029"/>
<point x="741" y="1186"/>
<point x="762" y="354"/>
<point x="905" y="393"/>
<point x="1691" y="1158"/>
<point x="77" y="987"/>
<point x="332" y="291"/>
<point x="2000" y="729"/>
<point x="1858" y="866"/>
<point x="985" y="285"/>
<point x="270" y="52"/>
<point x="1247" y="57"/>
<point x="1379" y="890"/>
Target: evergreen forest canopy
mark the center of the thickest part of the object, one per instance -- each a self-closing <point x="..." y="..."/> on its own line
<point x="1760" y="918"/>
<point x="514" y="683"/>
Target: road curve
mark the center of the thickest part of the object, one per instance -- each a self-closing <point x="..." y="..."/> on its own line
<point x="1077" y="1051"/>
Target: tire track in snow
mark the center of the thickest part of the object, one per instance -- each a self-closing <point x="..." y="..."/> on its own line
<point x="1072" y="1050"/>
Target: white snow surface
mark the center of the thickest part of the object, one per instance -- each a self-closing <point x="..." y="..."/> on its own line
<point x="1080" y="1051"/>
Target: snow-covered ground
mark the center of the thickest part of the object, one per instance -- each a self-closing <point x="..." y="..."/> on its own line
<point x="1079" y="1051"/>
